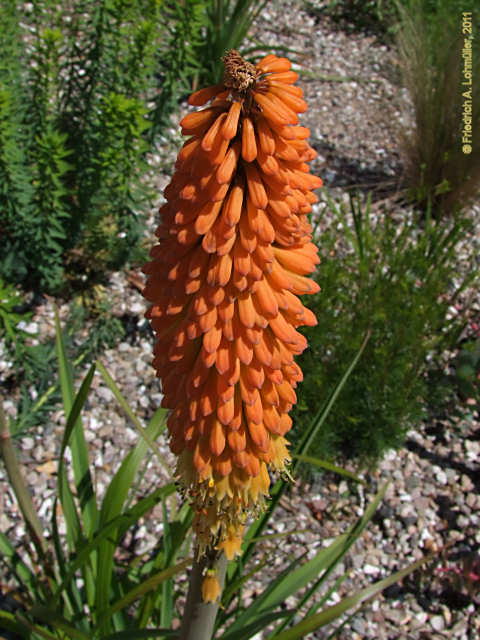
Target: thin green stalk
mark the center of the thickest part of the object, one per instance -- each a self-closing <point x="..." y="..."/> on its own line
<point x="199" y="617"/>
<point x="19" y="487"/>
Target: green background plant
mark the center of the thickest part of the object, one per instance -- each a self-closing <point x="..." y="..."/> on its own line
<point x="430" y="41"/>
<point x="393" y="278"/>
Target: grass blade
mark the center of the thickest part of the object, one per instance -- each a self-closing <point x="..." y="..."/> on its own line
<point x="147" y="585"/>
<point x="51" y="617"/>
<point x="143" y="633"/>
<point x="23" y="574"/>
<point x="322" y="414"/>
<point x="78" y="446"/>
<point x="159" y="414"/>
<point x="250" y="630"/>
<point x="330" y="614"/>
<point x="112" y="506"/>
<point x="328" y="466"/>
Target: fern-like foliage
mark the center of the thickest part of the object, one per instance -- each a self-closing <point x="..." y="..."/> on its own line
<point x="85" y="90"/>
<point x="74" y="91"/>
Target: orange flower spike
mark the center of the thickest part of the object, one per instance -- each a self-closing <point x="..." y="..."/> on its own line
<point x="233" y="254"/>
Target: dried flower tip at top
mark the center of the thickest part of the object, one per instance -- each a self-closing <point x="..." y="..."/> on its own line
<point x="239" y="74"/>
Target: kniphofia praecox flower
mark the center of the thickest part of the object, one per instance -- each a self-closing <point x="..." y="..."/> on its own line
<point x="233" y="252"/>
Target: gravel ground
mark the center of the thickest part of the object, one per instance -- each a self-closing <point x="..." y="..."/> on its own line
<point x="432" y="503"/>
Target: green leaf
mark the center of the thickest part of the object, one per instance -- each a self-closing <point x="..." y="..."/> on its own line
<point x="144" y="633"/>
<point x="147" y="585"/>
<point x="160" y="414"/>
<point x="112" y="506"/>
<point x="332" y="613"/>
<point x="322" y="414"/>
<point x="78" y="446"/>
<point x="22" y="573"/>
<point x="249" y="630"/>
<point x="118" y="526"/>
<point x="45" y="614"/>
<point x="291" y="580"/>
<point x="9" y="623"/>
<point x="328" y="466"/>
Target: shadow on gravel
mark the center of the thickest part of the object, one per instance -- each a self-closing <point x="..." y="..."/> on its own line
<point x="445" y="461"/>
<point x="382" y="179"/>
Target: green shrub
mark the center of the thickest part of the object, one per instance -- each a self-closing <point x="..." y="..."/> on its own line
<point x="83" y="87"/>
<point x="430" y="42"/>
<point x="397" y="280"/>
<point x="73" y="106"/>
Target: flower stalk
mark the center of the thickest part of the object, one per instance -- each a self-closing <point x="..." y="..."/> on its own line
<point x="203" y="599"/>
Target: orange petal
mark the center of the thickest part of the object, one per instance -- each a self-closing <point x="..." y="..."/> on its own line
<point x="266" y="299"/>
<point x="243" y="348"/>
<point x="202" y="455"/>
<point x="200" y="97"/>
<point x="211" y="339"/>
<point x="198" y="120"/>
<point x="237" y="440"/>
<point x="268" y="58"/>
<point x="254" y="374"/>
<point x="246" y="310"/>
<point x="249" y="145"/>
<point x="207" y="216"/>
<point x="223" y="464"/>
<point x="281" y="88"/>
<point x="265" y="135"/>
<point x="241" y="259"/>
<point x="285" y="424"/>
<point x="233" y="205"/>
<point x="270" y="110"/>
<point x="213" y="133"/>
<point x="259" y="435"/>
<point x="248" y="237"/>
<point x="282" y="329"/>
<point x="279" y="65"/>
<point x="225" y="411"/>
<point x="289" y="77"/>
<point x="229" y="128"/>
<point x="256" y="189"/>
<point x="219" y="271"/>
<point x="268" y="164"/>
<point x="227" y="167"/>
<point x="261" y="225"/>
<point x="271" y="419"/>
<point x="217" y="438"/>
<point x="295" y="103"/>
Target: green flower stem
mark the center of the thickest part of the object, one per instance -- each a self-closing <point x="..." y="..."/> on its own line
<point x="19" y="487"/>
<point x="199" y="617"/>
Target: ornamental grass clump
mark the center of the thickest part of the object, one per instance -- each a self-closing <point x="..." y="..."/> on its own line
<point x="234" y="249"/>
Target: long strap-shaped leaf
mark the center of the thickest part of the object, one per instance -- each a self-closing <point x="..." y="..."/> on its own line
<point x="78" y="444"/>
<point x="147" y="585"/>
<point x="118" y="526"/>
<point x="112" y="506"/>
<point x="311" y="623"/>
<point x="144" y="633"/>
<point x="292" y="579"/>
